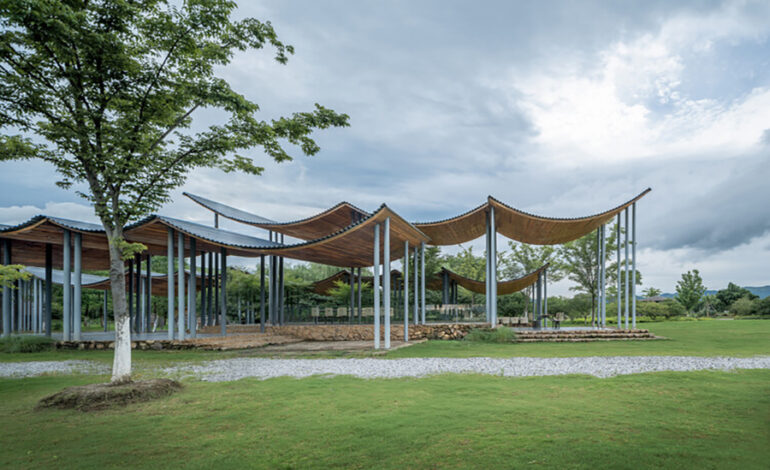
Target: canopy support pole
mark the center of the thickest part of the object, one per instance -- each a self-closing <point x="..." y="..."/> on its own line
<point x="376" y="286"/>
<point x="223" y="297"/>
<point x="360" y="306"/>
<point x="180" y="280"/>
<point x="7" y="289"/>
<point x="416" y="265"/>
<point x="493" y="268"/>
<point x="406" y="290"/>
<point x="625" y="289"/>
<point x="617" y="243"/>
<point x="66" y="300"/>
<point x="633" y="265"/>
<point x="76" y="317"/>
<point x="170" y="282"/>
<point x="488" y="276"/>
<point x="193" y="287"/>
<point x="422" y="281"/>
<point x="387" y="279"/>
<point x="261" y="293"/>
<point x="48" y="287"/>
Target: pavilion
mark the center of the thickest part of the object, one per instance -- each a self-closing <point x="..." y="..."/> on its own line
<point x="343" y="236"/>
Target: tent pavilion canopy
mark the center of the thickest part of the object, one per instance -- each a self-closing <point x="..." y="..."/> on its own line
<point x="324" y="286"/>
<point x="314" y="227"/>
<point x="517" y="225"/>
<point x="503" y="287"/>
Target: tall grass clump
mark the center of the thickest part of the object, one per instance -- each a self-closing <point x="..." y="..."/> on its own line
<point x="25" y="344"/>
<point x="491" y="335"/>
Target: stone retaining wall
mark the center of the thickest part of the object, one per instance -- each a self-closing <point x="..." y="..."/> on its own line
<point x="366" y="332"/>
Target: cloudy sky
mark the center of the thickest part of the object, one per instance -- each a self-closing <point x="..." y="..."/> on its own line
<point x="561" y="109"/>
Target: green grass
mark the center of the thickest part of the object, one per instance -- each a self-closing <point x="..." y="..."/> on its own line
<point x="662" y="420"/>
<point x="702" y="338"/>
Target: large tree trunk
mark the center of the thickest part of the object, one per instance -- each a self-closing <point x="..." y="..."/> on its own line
<point x="121" y="364"/>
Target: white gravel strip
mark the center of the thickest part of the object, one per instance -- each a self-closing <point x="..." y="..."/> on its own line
<point x="32" y="368"/>
<point x="263" y="368"/>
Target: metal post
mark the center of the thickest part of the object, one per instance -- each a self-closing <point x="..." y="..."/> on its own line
<point x="603" y="281"/>
<point x="7" y="290"/>
<point x="281" y="290"/>
<point x="130" y="293"/>
<point x="360" y="304"/>
<point x="376" y="286"/>
<point x="139" y="308"/>
<point x="487" y="276"/>
<point x="180" y="280"/>
<point x="617" y="243"/>
<point x="170" y="282"/>
<point x="351" y="283"/>
<point x="538" y="301"/>
<point x="406" y="290"/>
<point x="210" y="291"/>
<point x="493" y="284"/>
<point x="193" y="287"/>
<point x="422" y="281"/>
<point x="386" y="279"/>
<point x="625" y="289"/>
<point x="48" y="287"/>
<point x="148" y="296"/>
<point x="223" y="313"/>
<point x="262" y="293"/>
<point x="416" y="265"/>
<point x="545" y="296"/>
<point x="204" y="283"/>
<point x="67" y="270"/>
<point x="215" y="288"/>
<point x="633" y="265"/>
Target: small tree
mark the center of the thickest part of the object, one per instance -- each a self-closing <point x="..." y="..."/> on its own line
<point x="690" y="290"/>
<point x="106" y="91"/>
<point x="732" y="293"/>
<point x="11" y="273"/>
<point x="651" y="292"/>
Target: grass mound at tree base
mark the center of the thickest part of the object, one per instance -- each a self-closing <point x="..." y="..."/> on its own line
<point x="101" y="396"/>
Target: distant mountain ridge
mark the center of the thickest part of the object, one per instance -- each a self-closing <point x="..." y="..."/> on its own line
<point x="761" y="292"/>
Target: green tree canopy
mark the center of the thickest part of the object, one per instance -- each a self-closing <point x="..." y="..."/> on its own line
<point x="106" y="91"/>
<point x="732" y="293"/>
<point x="690" y="290"/>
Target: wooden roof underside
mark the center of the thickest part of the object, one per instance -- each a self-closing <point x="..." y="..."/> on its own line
<point x="354" y="246"/>
<point x="479" y="287"/>
<point x="517" y="225"/>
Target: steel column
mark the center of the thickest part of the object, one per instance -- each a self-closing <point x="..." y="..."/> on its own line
<point x="603" y="258"/>
<point x="625" y="289"/>
<point x="422" y="281"/>
<point x="351" y="283"/>
<point x="7" y="289"/>
<point x="262" y="293"/>
<point x="281" y="290"/>
<point x="493" y="284"/>
<point x="617" y="244"/>
<point x="204" y="283"/>
<point x="386" y="279"/>
<point x="487" y="276"/>
<point x="223" y="313"/>
<point x="376" y="286"/>
<point x="170" y="282"/>
<point x="360" y="305"/>
<point x="633" y="265"/>
<point x="180" y="280"/>
<point x="545" y="296"/>
<point x="193" y="288"/>
<point x="538" y="301"/>
<point x="416" y="265"/>
<point x="406" y="290"/>
<point x="67" y="300"/>
<point x="78" y="288"/>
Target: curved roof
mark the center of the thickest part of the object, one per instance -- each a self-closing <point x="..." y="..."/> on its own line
<point x="309" y="228"/>
<point x="517" y="225"/>
<point x="353" y="245"/>
<point x="503" y="287"/>
<point x="323" y="286"/>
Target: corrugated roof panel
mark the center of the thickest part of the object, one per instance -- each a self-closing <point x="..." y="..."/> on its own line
<point x="229" y="211"/>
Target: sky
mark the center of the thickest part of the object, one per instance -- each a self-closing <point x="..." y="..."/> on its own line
<point x="561" y="109"/>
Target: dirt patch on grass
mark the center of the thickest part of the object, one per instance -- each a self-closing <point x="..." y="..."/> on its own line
<point x="101" y="396"/>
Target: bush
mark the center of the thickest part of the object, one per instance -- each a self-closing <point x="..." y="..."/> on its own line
<point x="660" y="310"/>
<point x="25" y="344"/>
<point x="491" y="335"/>
<point x="762" y="307"/>
<point x="743" y="306"/>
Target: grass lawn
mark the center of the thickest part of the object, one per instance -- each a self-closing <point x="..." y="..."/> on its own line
<point x="701" y="338"/>
<point x="661" y="420"/>
<point x="740" y="338"/>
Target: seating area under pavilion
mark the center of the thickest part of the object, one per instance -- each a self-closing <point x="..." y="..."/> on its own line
<point x="58" y="250"/>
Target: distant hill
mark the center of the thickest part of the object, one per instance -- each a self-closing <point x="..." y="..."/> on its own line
<point x="761" y="292"/>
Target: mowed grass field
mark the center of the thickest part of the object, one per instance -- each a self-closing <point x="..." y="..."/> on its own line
<point x="687" y="420"/>
<point x="661" y="420"/>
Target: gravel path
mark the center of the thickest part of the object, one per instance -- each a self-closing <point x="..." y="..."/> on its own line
<point x="262" y="368"/>
<point x="32" y="368"/>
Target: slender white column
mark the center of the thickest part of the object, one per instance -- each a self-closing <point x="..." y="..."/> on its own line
<point x="193" y="289"/>
<point x="633" y="265"/>
<point x="66" y="291"/>
<point x="625" y="289"/>
<point x="376" y="286"/>
<point x="416" y="287"/>
<point x="406" y="290"/>
<point x="493" y="268"/>
<point x="386" y="279"/>
<point x="6" y="292"/>
<point x="170" y="281"/>
<point x="422" y="281"/>
<point x="617" y="243"/>
<point x="488" y="275"/>
<point x="78" y="288"/>
<point x="180" y="282"/>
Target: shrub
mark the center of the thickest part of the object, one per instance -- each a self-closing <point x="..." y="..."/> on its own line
<point x="743" y="306"/>
<point x="663" y="310"/>
<point x="491" y="335"/>
<point x="762" y="307"/>
<point x="25" y="344"/>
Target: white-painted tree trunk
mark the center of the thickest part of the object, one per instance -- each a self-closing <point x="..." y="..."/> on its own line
<point x="121" y="364"/>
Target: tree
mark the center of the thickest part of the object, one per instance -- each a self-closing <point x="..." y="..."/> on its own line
<point x="11" y="273"/>
<point x="732" y="293"/>
<point x="690" y="290"/>
<point x="525" y="258"/>
<point x="743" y="307"/>
<point x="106" y="92"/>
<point x="651" y="292"/>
